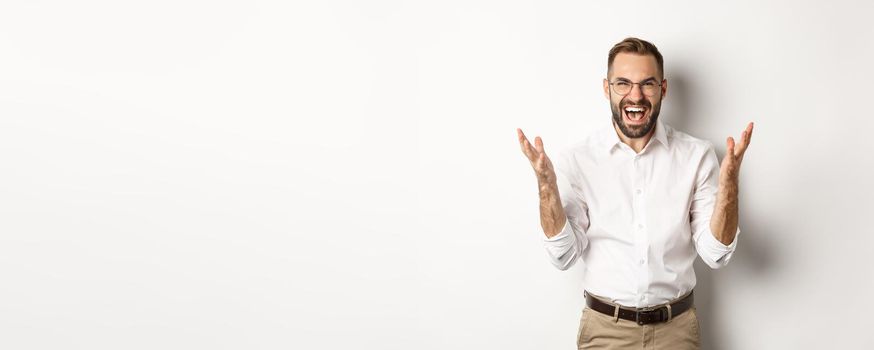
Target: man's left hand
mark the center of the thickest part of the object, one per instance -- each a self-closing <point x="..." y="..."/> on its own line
<point x="730" y="168"/>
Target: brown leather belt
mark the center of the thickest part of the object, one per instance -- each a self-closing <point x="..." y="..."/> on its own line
<point x="642" y="315"/>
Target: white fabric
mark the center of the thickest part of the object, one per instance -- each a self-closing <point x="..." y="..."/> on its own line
<point x="637" y="220"/>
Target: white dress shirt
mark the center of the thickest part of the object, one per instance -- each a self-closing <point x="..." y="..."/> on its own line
<point x="637" y="220"/>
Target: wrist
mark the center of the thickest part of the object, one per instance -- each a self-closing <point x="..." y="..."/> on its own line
<point x="546" y="183"/>
<point x="728" y="181"/>
<point x="548" y="191"/>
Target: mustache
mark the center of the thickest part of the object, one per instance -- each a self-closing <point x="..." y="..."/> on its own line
<point x="641" y="103"/>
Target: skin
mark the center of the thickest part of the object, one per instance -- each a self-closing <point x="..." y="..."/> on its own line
<point x="638" y="68"/>
<point x="635" y="68"/>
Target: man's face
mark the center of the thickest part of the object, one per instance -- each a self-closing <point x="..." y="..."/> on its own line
<point x="635" y="113"/>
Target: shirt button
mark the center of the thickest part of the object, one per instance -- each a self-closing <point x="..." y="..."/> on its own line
<point x="642" y="261"/>
<point x="640" y="226"/>
<point x="638" y="191"/>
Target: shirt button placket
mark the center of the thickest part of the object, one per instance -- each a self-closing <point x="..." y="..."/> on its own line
<point x="637" y="201"/>
<point x="637" y="198"/>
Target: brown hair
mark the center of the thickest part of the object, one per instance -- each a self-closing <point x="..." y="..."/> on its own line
<point x="636" y="46"/>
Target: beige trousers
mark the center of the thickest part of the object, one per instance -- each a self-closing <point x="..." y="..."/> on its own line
<point x="600" y="331"/>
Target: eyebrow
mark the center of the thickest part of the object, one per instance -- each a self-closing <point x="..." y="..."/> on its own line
<point x="642" y="81"/>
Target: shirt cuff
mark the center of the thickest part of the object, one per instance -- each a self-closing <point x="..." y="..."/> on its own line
<point x="729" y="247"/>
<point x="565" y="232"/>
<point x="719" y="252"/>
<point x="564" y="248"/>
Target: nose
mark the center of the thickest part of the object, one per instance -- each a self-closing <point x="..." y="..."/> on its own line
<point x="636" y="92"/>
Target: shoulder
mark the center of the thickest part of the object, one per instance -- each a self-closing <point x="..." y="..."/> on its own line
<point x="580" y="154"/>
<point x="684" y="142"/>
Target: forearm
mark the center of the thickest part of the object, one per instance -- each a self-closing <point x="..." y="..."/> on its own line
<point x="723" y="223"/>
<point x="552" y="217"/>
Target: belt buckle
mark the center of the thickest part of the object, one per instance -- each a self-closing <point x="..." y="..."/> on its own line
<point x="648" y="310"/>
<point x="639" y="312"/>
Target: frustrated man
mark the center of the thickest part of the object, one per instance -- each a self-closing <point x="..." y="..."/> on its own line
<point x="637" y="201"/>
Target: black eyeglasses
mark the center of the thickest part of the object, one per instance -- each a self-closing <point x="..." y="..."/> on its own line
<point x="623" y="87"/>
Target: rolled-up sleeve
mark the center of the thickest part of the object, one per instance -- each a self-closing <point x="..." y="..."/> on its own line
<point x="568" y="245"/>
<point x="713" y="252"/>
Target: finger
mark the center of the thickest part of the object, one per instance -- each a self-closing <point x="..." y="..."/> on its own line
<point x="729" y="146"/>
<point x="742" y="145"/>
<point x="538" y="144"/>
<point x="745" y="140"/>
<point x="529" y="150"/>
<point x="543" y="161"/>
<point x="526" y="146"/>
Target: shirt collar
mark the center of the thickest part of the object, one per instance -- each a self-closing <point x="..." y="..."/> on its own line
<point x="610" y="138"/>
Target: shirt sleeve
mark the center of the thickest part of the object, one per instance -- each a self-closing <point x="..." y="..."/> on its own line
<point x="567" y="246"/>
<point x="714" y="253"/>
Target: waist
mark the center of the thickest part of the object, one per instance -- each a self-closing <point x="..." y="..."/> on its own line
<point x="646" y="315"/>
<point x="636" y="287"/>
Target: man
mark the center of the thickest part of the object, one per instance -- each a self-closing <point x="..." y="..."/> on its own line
<point x="635" y="201"/>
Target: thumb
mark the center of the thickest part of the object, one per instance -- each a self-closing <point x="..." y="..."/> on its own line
<point x="729" y="148"/>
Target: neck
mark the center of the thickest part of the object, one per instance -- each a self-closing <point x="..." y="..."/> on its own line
<point x="637" y="144"/>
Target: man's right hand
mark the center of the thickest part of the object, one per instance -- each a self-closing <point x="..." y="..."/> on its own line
<point x="538" y="158"/>
<point x="552" y="217"/>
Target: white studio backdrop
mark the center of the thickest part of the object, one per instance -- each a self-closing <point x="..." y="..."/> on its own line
<point x="328" y="175"/>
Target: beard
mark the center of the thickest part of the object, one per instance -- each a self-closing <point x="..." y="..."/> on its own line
<point x="635" y="131"/>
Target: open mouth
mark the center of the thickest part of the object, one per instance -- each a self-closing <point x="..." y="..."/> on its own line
<point x="635" y="114"/>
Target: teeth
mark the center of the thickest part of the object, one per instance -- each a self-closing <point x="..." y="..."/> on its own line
<point x="634" y="113"/>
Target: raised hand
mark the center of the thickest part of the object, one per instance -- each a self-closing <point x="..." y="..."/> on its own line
<point x="538" y="158"/>
<point x="552" y="216"/>
<point x="730" y="168"/>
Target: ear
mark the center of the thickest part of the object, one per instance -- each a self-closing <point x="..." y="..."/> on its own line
<point x="664" y="88"/>
<point x="607" y="89"/>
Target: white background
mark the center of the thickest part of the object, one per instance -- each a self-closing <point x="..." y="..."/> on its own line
<point x="330" y="175"/>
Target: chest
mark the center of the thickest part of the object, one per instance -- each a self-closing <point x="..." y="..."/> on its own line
<point x="628" y="187"/>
